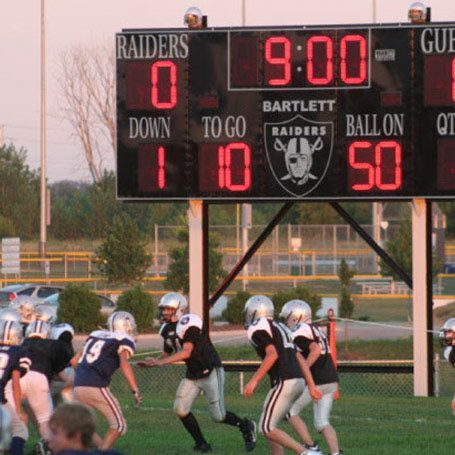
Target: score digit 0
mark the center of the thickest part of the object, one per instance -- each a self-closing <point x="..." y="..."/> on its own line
<point x="319" y="55"/>
<point x="376" y="167"/>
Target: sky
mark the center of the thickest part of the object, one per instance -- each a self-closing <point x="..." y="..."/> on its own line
<point x="71" y="23"/>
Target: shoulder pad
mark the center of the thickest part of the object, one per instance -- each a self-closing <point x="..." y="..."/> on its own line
<point x="303" y="330"/>
<point x="100" y="334"/>
<point x="259" y="324"/>
<point x="187" y="321"/>
<point x="162" y="328"/>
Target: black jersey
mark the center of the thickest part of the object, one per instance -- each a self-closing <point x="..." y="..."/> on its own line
<point x="263" y="332"/>
<point x="11" y="358"/>
<point x="449" y="355"/>
<point x="323" y="370"/>
<point x="204" y="357"/>
<point x="171" y="342"/>
<point x="48" y="356"/>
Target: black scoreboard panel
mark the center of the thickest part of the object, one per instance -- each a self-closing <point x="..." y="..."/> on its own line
<point x="310" y="113"/>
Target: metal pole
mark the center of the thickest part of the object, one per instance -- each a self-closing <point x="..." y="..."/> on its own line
<point x="42" y="244"/>
<point x="243" y="13"/>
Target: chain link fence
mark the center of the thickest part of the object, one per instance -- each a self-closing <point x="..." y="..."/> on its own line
<point x="368" y="379"/>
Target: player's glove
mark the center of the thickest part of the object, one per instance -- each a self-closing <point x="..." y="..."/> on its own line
<point x="137" y="399"/>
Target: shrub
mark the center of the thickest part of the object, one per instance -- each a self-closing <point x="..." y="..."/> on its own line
<point x="80" y="307"/>
<point x="141" y="305"/>
<point x="234" y="310"/>
<point x="301" y="293"/>
<point x="6" y="227"/>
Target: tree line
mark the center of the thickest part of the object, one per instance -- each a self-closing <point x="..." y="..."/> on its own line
<point x="86" y="210"/>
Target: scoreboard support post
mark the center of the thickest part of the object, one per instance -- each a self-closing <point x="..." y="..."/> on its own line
<point x="197" y="236"/>
<point x="422" y="297"/>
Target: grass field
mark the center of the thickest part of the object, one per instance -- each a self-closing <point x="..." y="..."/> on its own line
<point x="365" y="426"/>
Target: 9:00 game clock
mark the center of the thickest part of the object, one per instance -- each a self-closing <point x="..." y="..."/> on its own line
<point x="294" y="113"/>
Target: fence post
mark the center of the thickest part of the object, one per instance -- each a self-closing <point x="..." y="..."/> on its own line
<point x="241" y="382"/>
<point x="65" y="265"/>
<point x="436" y="374"/>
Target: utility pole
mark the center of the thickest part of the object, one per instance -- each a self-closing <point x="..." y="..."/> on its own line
<point x="42" y="243"/>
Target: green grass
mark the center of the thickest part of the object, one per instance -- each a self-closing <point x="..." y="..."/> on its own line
<point x="365" y="426"/>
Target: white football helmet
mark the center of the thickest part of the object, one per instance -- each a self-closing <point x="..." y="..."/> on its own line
<point x="417" y="13"/>
<point x="193" y="17"/>
<point x="257" y="306"/>
<point x="8" y="314"/>
<point x="294" y="312"/>
<point x="39" y="329"/>
<point x="123" y="322"/>
<point x="447" y="332"/>
<point x="175" y="301"/>
<point x="59" y="329"/>
<point x="11" y="333"/>
<point x="25" y="306"/>
<point x="46" y="313"/>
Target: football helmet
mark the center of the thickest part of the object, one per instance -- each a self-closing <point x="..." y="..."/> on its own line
<point x="123" y="322"/>
<point x="59" y="329"/>
<point x="11" y="333"/>
<point x="193" y="17"/>
<point x="417" y="13"/>
<point x="25" y="306"/>
<point x="39" y="329"/>
<point x="257" y="306"/>
<point x="46" y="313"/>
<point x="8" y="314"/>
<point x="447" y="332"/>
<point x="175" y="301"/>
<point x="294" y="312"/>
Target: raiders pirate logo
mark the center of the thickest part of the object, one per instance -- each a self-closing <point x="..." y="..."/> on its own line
<point x="299" y="152"/>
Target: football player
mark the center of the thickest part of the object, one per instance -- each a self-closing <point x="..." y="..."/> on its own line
<point x="47" y="358"/>
<point x="311" y="341"/>
<point x="62" y="383"/>
<point x="15" y="363"/>
<point x="286" y="368"/>
<point x="184" y="340"/>
<point x="72" y="427"/>
<point x="104" y="352"/>
<point x="447" y="339"/>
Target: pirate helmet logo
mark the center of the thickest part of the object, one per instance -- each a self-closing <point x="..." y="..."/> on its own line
<point x="298" y="152"/>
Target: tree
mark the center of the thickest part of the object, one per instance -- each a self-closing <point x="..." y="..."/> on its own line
<point x="346" y="303"/>
<point x="87" y="81"/>
<point x="19" y="192"/>
<point x="141" y="305"/>
<point x="399" y="248"/>
<point x="178" y="278"/>
<point x="122" y="258"/>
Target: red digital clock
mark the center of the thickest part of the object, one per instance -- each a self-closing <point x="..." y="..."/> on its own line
<point x="287" y="113"/>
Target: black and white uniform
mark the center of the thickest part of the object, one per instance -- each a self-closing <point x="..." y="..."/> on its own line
<point x="285" y="375"/>
<point x="204" y="370"/>
<point x="323" y="371"/>
<point x="100" y="359"/>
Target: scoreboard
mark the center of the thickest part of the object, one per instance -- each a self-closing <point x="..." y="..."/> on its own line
<point x="291" y="113"/>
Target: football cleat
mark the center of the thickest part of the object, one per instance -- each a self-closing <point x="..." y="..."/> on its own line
<point x="315" y="448"/>
<point x="248" y="429"/>
<point x="41" y="448"/>
<point x="204" y="447"/>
